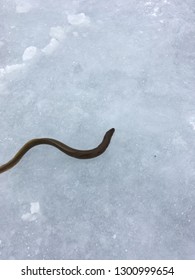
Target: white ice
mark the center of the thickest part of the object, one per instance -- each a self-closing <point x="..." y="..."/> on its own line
<point x="29" y="53"/>
<point x="71" y="70"/>
<point x="23" y="6"/>
<point x="78" y="19"/>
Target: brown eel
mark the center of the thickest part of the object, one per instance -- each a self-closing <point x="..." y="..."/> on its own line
<point x="81" y="154"/>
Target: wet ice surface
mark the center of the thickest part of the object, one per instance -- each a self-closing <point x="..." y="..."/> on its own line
<point x="71" y="70"/>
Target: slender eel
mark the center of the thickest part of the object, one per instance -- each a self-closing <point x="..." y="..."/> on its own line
<point x="81" y="154"/>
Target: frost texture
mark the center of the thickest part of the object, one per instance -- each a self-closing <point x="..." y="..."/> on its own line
<point x="71" y="70"/>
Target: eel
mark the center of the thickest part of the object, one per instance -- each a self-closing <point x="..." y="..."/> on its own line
<point x="80" y="154"/>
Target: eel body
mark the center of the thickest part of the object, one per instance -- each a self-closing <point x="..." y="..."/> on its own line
<point x="80" y="154"/>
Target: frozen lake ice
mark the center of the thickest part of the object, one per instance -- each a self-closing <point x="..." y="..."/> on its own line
<point x="71" y="70"/>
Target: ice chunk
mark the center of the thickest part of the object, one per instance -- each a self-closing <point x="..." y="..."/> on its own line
<point x="57" y="32"/>
<point x="192" y="122"/>
<point x="78" y="19"/>
<point x="51" y="47"/>
<point x="14" y="67"/>
<point x="34" y="208"/>
<point x="32" y="215"/>
<point x="11" y="69"/>
<point x="28" y="217"/>
<point x="29" y="53"/>
<point x="23" y="6"/>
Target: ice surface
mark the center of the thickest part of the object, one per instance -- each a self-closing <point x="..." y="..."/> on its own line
<point x="71" y="70"/>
